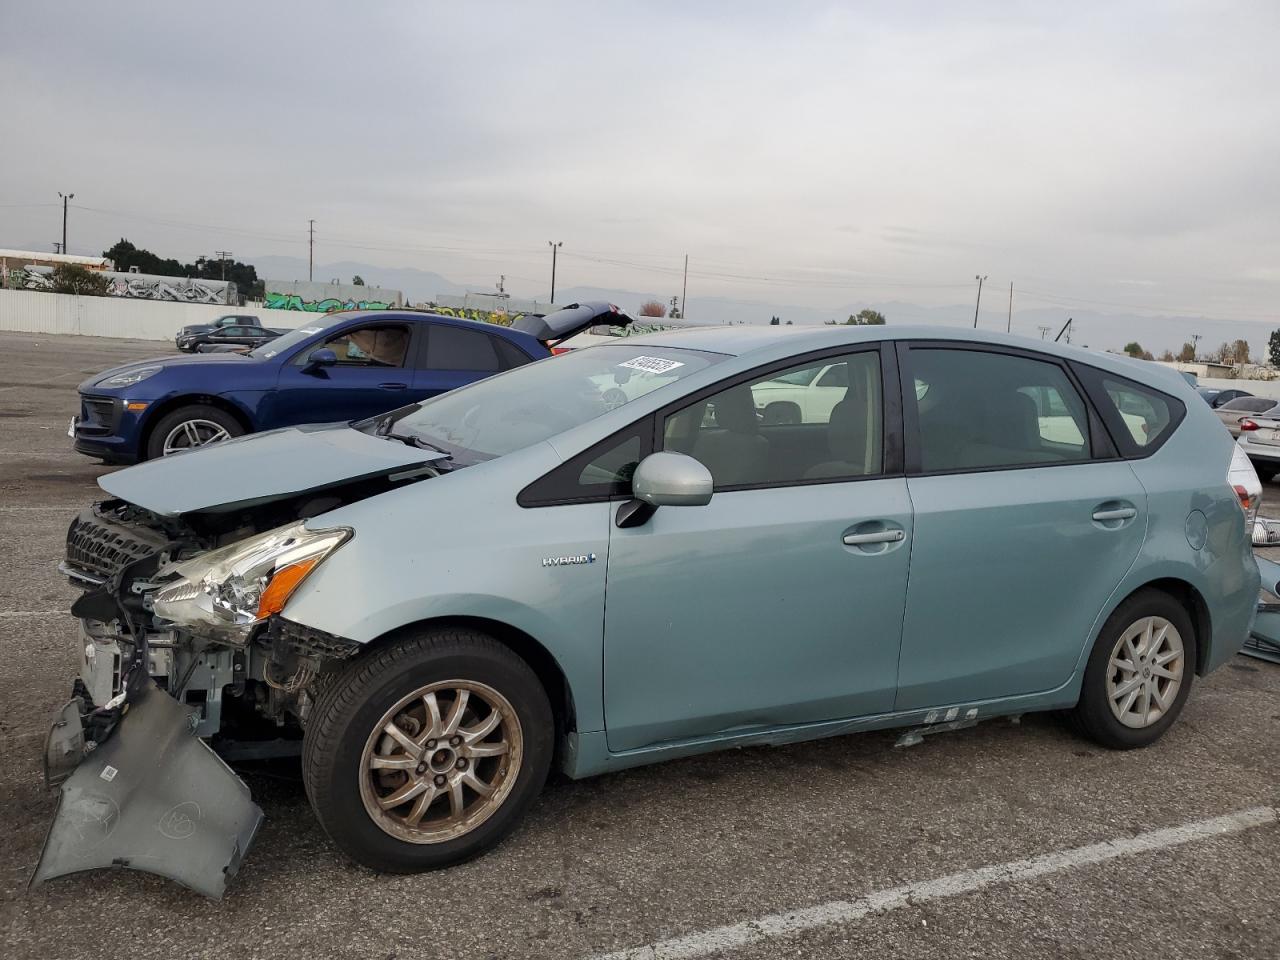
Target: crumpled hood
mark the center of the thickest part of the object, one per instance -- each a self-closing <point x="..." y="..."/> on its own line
<point x="260" y="468"/>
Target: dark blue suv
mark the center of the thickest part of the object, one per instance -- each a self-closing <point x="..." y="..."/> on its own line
<point x="342" y="366"/>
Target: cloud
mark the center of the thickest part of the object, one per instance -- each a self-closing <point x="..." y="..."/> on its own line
<point x="1058" y="147"/>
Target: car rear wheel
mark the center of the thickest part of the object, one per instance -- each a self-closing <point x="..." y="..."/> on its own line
<point x="189" y="427"/>
<point x="1139" y="673"/>
<point x="428" y="751"/>
<point x="1265" y="472"/>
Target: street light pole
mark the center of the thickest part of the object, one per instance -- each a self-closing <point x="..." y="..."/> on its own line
<point x="65" y="198"/>
<point x="979" y="303"/>
<point x="555" y="246"/>
<point x="311" y="249"/>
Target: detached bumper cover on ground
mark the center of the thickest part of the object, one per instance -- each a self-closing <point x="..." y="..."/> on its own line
<point x="1264" y="638"/>
<point x="152" y="797"/>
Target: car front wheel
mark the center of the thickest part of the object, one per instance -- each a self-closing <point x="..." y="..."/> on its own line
<point x="189" y="427"/>
<point x="428" y="751"/>
<point x="1139" y="673"/>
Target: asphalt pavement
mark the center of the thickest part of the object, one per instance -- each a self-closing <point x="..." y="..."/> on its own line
<point x="846" y="847"/>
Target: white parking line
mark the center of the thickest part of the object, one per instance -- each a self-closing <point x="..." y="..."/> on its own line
<point x="843" y="912"/>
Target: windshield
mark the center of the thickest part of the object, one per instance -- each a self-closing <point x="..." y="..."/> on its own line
<point x="287" y="341"/>
<point x="530" y="404"/>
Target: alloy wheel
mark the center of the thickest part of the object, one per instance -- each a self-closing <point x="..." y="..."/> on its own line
<point x="1145" y="671"/>
<point x="441" y="761"/>
<point x="190" y="434"/>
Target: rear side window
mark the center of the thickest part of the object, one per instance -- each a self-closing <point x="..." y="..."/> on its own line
<point x="1140" y="418"/>
<point x="1249" y="404"/>
<point x="980" y="411"/>
<point x="453" y="348"/>
<point x="509" y="355"/>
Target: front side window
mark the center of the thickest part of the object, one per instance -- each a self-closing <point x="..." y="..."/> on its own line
<point x="980" y="410"/>
<point x="792" y="426"/>
<point x="380" y="346"/>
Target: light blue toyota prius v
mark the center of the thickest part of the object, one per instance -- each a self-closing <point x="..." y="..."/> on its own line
<point x="651" y="548"/>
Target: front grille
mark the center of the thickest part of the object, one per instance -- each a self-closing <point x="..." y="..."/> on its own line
<point x="103" y="546"/>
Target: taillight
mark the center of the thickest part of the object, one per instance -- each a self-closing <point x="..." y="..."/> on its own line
<point x="556" y="351"/>
<point x="1247" y="424"/>
<point x="1248" y="488"/>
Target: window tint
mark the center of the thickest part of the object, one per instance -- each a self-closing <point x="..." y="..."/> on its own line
<point x="382" y="346"/>
<point x="1249" y="404"/>
<point x="1146" y="414"/>
<point x="509" y="355"/>
<point x="453" y="348"/>
<point x="613" y="466"/>
<point x="980" y="410"/>
<point x="787" y="427"/>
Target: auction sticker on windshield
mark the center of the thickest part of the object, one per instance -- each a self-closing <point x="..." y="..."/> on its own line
<point x="651" y="364"/>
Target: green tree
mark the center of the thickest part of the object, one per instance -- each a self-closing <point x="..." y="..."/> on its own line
<point x="1133" y="348"/>
<point x="867" y="318"/>
<point x="244" y="275"/>
<point x="357" y="281"/>
<point x="1187" y="353"/>
<point x="73" y="278"/>
<point x="774" y="321"/>
<point x="1240" y="351"/>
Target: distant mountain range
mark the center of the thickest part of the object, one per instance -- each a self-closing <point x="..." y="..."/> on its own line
<point x="1107" y="331"/>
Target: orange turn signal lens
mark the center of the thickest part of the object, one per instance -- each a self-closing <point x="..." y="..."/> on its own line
<point x="135" y="406"/>
<point x="282" y="586"/>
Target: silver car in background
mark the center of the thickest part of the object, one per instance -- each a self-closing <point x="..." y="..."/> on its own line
<point x="1246" y="408"/>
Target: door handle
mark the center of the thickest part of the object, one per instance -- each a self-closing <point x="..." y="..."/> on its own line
<point x="880" y="536"/>
<point x="1119" y="513"/>
<point x="393" y="386"/>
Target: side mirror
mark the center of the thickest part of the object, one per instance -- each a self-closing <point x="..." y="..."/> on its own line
<point x="671" y="480"/>
<point x="324" y="357"/>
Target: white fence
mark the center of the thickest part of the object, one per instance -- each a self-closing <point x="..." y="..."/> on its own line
<point x="32" y="311"/>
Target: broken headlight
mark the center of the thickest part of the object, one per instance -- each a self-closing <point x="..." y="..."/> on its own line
<point x="234" y="587"/>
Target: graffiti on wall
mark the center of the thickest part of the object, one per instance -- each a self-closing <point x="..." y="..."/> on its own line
<point x="137" y="286"/>
<point x="501" y="318"/>
<point x="292" y="301"/>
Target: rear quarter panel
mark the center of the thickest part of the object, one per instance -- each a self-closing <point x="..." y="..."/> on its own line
<point x="1186" y="477"/>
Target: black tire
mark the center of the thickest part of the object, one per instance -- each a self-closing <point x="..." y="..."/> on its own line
<point x="350" y="708"/>
<point x="1093" y="716"/>
<point x="1265" y="472"/>
<point x="195" y="411"/>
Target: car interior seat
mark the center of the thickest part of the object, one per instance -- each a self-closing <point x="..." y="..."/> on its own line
<point x="733" y="450"/>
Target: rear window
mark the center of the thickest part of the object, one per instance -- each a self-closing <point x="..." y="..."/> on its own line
<point x="1249" y="404"/>
<point x="1139" y="417"/>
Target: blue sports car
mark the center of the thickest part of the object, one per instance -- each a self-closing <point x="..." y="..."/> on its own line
<point x="343" y="366"/>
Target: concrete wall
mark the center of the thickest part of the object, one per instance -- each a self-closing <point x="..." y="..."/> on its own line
<point x="36" y="312"/>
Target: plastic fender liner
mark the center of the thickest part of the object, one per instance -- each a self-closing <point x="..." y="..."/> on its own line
<point x="154" y="798"/>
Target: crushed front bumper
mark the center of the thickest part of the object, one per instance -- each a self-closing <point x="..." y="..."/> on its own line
<point x="152" y="797"/>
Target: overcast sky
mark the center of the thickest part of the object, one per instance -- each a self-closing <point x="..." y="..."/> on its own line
<point x="1121" y="153"/>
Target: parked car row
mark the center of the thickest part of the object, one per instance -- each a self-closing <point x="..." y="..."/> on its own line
<point x="614" y="557"/>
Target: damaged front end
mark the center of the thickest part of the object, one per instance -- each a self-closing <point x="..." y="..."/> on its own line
<point x="186" y="663"/>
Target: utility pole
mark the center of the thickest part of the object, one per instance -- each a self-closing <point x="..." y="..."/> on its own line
<point x="224" y="256"/>
<point x="1195" y="345"/>
<point x="555" y="246"/>
<point x="980" y="280"/>
<point x="1044" y="331"/>
<point x="311" y="249"/>
<point x="1008" y="326"/>
<point x="57" y="247"/>
<point x="66" y="197"/>
<point x="684" y="287"/>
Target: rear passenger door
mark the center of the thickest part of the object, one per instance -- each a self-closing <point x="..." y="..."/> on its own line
<point x="453" y="355"/>
<point x="1026" y="518"/>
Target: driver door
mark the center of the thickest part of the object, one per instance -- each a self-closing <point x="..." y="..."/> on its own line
<point x="370" y="377"/>
<point x="781" y="601"/>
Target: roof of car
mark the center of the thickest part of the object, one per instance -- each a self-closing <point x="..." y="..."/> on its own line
<point x="741" y="340"/>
